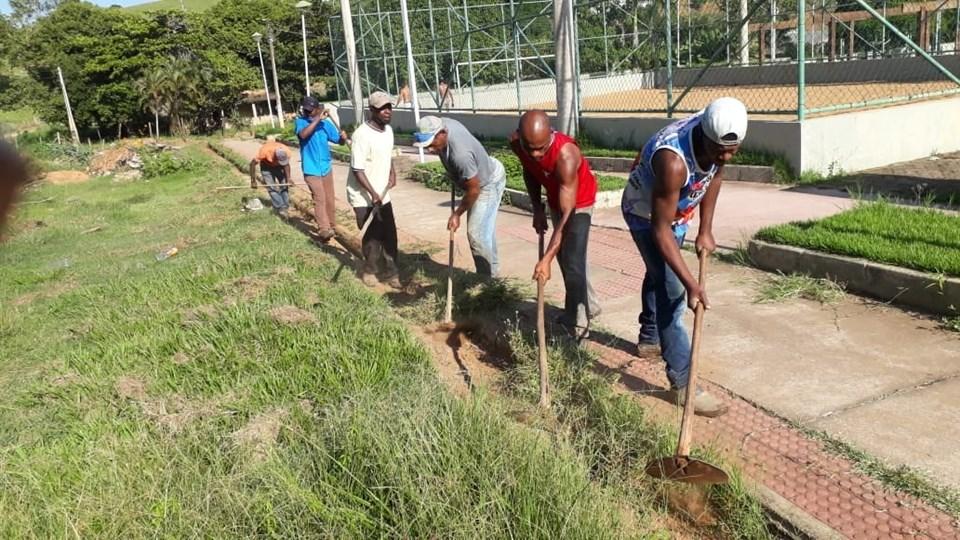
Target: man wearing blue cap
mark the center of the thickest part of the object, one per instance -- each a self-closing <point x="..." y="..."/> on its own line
<point x="481" y="178"/>
<point x="678" y="170"/>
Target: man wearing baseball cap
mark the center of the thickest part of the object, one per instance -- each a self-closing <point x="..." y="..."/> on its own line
<point x="274" y="160"/>
<point x="678" y="170"/>
<point x="481" y="178"/>
<point x="316" y="130"/>
<point x="371" y="178"/>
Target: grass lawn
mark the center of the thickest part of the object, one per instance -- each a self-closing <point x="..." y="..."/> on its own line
<point x="162" y="5"/>
<point x="921" y="239"/>
<point x="234" y="390"/>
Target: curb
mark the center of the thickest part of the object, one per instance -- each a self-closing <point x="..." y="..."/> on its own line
<point x="887" y="283"/>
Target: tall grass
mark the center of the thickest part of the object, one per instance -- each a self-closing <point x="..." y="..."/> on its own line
<point x="145" y="398"/>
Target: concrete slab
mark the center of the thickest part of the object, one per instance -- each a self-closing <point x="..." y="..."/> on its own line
<point x="930" y="414"/>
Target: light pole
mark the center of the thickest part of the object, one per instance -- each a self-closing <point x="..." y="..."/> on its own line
<point x="266" y="89"/>
<point x="273" y="66"/>
<point x="302" y="5"/>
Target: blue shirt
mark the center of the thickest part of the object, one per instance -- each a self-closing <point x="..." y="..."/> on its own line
<point x="637" y="201"/>
<point x="315" y="150"/>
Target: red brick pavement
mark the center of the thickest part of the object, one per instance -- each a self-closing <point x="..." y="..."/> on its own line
<point x="799" y="469"/>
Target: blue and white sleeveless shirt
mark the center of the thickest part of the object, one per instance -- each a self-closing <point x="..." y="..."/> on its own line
<point x="637" y="200"/>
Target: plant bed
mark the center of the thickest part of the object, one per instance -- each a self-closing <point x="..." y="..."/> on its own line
<point x="911" y="256"/>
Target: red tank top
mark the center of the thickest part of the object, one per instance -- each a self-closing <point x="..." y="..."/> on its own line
<point x="543" y="171"/>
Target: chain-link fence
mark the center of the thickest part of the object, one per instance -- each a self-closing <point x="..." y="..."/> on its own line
<point x="660" y="57"/>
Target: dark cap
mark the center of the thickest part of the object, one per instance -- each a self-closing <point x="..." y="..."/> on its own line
<point x="310" y="103"/>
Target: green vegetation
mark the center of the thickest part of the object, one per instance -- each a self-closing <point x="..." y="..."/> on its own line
<point x="190" y="6"/>
<point x="433" y="176"/>
<point x="783" y="287"/>
<point x="229" y="391"/>
<point x="921" y="239"/>
<point x="163" y="163"/>
<point x="124" y="68"/>
<point x="41" y="149"/>
<point x="952" y="323"/>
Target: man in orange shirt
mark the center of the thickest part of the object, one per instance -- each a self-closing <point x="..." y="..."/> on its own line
<point x="274" y="160"/>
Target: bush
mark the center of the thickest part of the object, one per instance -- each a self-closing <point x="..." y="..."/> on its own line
<point x="53" y="155"/>
<point x="164" y="163"/>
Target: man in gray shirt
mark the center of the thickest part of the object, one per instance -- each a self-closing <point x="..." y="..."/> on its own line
<point x="481" y="178"/>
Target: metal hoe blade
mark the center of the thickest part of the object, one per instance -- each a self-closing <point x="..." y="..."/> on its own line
<point x="687" y="470"/>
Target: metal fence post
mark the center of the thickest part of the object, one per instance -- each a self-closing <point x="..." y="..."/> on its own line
<point x="801" y="59"/>
<point x="516" y="54"/>
<point x="466" y="28"/>
<point x="669" y="62"/>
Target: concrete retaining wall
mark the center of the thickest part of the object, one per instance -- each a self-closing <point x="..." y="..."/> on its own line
<point x="865" y="139"/>
<point x="886" y="283"/>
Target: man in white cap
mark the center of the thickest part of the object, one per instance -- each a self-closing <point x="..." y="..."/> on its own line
<point x="481" y="178"/>
<point x="368" y="184"/>
<point x="678" y="170"/>
<point x="274" y="160"/>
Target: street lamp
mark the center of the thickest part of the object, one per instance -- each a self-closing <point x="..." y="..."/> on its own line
<point x="302" y="5"/>
<point x="266" y="88"/>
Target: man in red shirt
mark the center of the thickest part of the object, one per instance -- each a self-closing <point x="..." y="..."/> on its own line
<point x="552" y="160"/>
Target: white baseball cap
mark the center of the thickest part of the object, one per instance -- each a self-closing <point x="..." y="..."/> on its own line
<point x="724" y="121"/>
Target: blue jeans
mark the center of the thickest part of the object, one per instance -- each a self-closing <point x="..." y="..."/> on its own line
<point x="664" y="302"/>
<point x="482" y="224"/>
<point x="279" y="196"/>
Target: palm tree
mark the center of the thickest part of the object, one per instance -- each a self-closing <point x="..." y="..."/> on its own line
<point x="153" y="94"/>
<point x="185" y="81"/>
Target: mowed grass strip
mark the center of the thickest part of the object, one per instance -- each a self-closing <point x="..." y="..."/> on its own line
<point x="235" y="390"/>
<point x="921" y="239"/>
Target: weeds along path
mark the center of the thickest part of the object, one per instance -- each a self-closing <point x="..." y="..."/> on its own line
<point x="488" y="358"/>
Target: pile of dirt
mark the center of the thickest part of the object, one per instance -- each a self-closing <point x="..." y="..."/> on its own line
<point x="66" y="177"/>
<point x="114" y="159"/>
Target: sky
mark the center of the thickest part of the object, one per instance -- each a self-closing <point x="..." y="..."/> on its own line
<point x="5" y="4"/>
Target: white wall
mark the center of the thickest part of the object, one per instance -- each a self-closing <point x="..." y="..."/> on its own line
<point x="861" y="140"/>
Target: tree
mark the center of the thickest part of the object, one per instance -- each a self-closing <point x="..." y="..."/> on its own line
<point x="153" y="94"/>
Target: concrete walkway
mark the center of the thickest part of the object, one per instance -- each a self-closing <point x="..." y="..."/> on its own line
<point x="885" y="380"/>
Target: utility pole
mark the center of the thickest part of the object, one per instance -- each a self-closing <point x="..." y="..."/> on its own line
<point x="353" y="67"/>
<point x="410" y="66"/>
<point x="302" y="6"/>
<point x="565" y="67"/>
<point x="66" y="102"/>
<point x="266" y="88"/>
<point x="273" y="66"/>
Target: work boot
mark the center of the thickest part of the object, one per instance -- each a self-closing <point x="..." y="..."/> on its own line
<point x="370" y="280"/>
<point x="648" y="349"/>
<point x="393" y="281"/>
<point x="704" y="403"/>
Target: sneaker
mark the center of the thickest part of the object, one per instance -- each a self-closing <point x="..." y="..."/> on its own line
<point x="326" y="235"/>
<point x="704" y="403"/>
<point x="394" y="281"/>
<point x="370" y="280"/>
<point x="283" y="213"/>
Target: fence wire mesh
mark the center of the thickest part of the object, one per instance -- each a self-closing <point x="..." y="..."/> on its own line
<point x="663" y="57"/>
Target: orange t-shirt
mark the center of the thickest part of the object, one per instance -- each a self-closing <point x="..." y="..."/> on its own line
<point x="268" y="153"/>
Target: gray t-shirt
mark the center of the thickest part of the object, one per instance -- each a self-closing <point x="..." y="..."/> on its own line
<point x="464" y="157"/>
